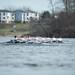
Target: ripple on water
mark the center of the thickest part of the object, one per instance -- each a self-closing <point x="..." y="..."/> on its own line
<point x="53" y="56"/>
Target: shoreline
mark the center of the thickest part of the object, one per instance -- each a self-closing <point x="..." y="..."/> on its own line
<point x="33" y="36"/>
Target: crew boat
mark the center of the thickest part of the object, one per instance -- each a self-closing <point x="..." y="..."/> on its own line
<point x="57" y="40"/>
<point x="34" y="40"/>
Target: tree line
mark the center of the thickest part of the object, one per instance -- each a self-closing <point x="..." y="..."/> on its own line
<point x="58" y="25"/>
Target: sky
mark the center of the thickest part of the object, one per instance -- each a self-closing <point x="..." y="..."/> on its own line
<point x="37" y="5"/>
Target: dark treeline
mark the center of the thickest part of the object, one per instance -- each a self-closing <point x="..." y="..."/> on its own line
<point x="59" y="25"/>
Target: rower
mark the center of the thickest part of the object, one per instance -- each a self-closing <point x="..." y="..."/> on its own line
<point x="54" y="39"/>
<point x="60" y="40"/>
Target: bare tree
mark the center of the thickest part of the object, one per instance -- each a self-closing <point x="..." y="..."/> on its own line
<point x="56" y="6"/>
<point x="69" y="5"/>
<point x="52" y="6"/>
<point x="66" y="4"/>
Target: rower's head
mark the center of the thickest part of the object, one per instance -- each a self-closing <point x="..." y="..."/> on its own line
<point x="15" y="36"/>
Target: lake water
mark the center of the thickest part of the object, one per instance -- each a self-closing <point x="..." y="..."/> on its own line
<point x="57" y="59"/>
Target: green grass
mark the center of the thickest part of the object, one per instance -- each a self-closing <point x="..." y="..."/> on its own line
<point x="7" y="29"/>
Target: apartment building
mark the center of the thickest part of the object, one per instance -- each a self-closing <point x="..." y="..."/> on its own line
<point x="25" y="16"/>
<point x="7" y="16"/>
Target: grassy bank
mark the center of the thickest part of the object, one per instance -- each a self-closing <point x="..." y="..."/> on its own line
<point x="18" y="29"/>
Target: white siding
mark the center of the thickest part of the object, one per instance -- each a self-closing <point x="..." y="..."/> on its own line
<point x="31" y="15"/>
<point x="7" y="17"/>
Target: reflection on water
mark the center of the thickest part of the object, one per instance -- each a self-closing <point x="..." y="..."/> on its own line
<point x="60" y="56"/>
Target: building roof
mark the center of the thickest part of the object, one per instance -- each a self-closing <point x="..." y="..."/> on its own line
<point x="30" y="11"/>
<point x="25" y="11"/>
<point x="19" y="10"/>
<point x="4" y="10"/>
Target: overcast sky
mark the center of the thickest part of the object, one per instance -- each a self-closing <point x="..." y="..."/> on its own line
<point x="37" y="5"/>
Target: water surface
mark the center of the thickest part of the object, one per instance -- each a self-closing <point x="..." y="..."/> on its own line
<point x="56" y="59"/>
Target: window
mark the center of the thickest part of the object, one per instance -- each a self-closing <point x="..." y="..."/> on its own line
<point x="35" y="14"/>
<point x="3" y="21"/>
<point x="27" y="14"/>
<point x="3" y="13"/>
<point x="3" y="17"/>
<point x="13" y="14"/>
<point x="13" y="18"/>
<point x="27" y="18"/>
<point x="31" y="18"/>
